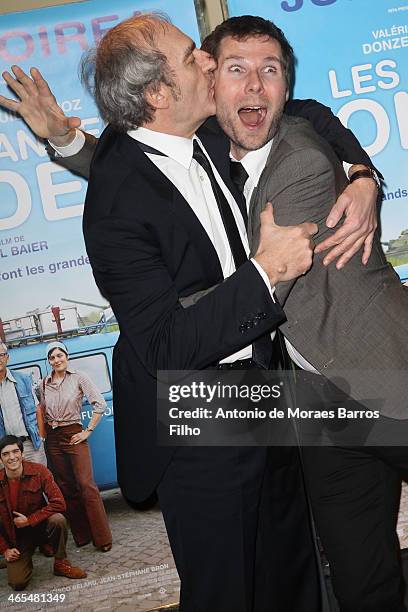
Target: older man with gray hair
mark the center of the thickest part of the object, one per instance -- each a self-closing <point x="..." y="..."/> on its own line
<point x="18" y="415"/>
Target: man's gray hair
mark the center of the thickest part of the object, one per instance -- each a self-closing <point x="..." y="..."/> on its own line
<point x="123" y="67"/>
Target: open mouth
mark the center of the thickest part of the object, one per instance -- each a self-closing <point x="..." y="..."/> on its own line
<point x="252" y="116"/>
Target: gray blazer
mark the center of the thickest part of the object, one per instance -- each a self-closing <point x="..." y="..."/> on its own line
<point x="350" y="323"/>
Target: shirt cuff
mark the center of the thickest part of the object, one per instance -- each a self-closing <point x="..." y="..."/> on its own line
<point x="346" y="167"/>
<point x="265" y="279"/>
<point x="73" y="148"/>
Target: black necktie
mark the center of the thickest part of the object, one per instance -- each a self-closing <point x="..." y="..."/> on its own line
<point x="239" y="177"/>
<point x="238" y="174"/>
<point x="231" y="229"/>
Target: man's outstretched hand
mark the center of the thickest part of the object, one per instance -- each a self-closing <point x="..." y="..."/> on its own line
<point x="38" y="106"/>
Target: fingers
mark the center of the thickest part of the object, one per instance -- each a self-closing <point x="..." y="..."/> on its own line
<point x="14" y="85"/>
<point x="24" y="80"/>
<point x="73" y="122"/>
<point x="347" y="255"/>
<point x="344" y="251"/>
<point x="11" y="105"/>
<point x="338" y="209"/>
<point x="335" y="239"/>
<point x="24" y="86"/>
<point x="368" y="245"/>
<point x="40" y="82"/>
<point x="12" y="554"/>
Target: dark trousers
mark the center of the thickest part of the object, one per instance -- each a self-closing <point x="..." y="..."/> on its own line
<point x="72" y="469"/>
<point x="238" y="526"/>
<point x="53" y="531"/>
<point x="354" y="483"/>
<point x="355" y="496"/>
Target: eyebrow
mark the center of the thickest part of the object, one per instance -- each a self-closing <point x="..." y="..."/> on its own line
<point x="270" y="58"/>
<point x="189" y="50"/>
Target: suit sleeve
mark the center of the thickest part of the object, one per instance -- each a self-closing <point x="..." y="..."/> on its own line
<point x="130" y="271"/>
<point x="341" y="139"/>
<point x="79" y="163"/>
<point x="303" y="189"/>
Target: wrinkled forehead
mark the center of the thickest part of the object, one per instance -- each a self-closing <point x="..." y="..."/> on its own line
<point x="172" y="42"/>
<point x="249" y="47"/>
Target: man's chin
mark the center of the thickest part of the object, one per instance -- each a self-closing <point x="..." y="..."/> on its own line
<point x="252" y="142"/>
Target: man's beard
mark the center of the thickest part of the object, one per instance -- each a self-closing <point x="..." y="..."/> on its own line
<point x="245" y="143"/>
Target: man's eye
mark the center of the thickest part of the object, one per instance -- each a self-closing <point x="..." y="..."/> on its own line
<point x="270" y="69"/>
<point x="235" y="69"/>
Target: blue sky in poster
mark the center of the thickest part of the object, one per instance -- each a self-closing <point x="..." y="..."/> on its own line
<point x="41" y="204"/>
<point x="353" y="56"/>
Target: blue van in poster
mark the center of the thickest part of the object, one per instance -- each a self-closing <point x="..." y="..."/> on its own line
<point x="402" y="272"/>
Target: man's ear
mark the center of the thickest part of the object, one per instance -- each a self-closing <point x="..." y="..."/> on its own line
<point x="158" y="95"/>
<point x="287" y="95"/>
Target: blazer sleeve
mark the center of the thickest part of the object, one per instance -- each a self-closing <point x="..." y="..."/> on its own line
<point x="341" y="139"/>
<point x="303" y="189"/>
<point x="79" y="163"/>
<point x="130" y="270"/>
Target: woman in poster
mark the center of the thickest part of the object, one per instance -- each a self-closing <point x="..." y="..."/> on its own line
<point x="61" y="395"/>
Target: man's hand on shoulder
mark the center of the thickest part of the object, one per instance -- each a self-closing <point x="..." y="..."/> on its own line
<point x="358" y="203"/>
<point x="284" y="253"/>
<point x="38" y="107"/>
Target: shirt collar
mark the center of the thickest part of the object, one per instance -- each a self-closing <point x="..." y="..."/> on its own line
<point x="10" y="376"/>
<point x="254" y="161"/>
<point x="176" y="147"/>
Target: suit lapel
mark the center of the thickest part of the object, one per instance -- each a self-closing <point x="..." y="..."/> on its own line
<point x="180" y="207"/>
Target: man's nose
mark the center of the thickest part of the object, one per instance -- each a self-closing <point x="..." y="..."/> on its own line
<point x="254" y="83"/>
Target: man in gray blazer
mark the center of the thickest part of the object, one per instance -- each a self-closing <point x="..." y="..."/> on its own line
<point x="350" y="325"/>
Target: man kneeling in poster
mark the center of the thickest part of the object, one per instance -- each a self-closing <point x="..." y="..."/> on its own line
<point x="31" y="507"/>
